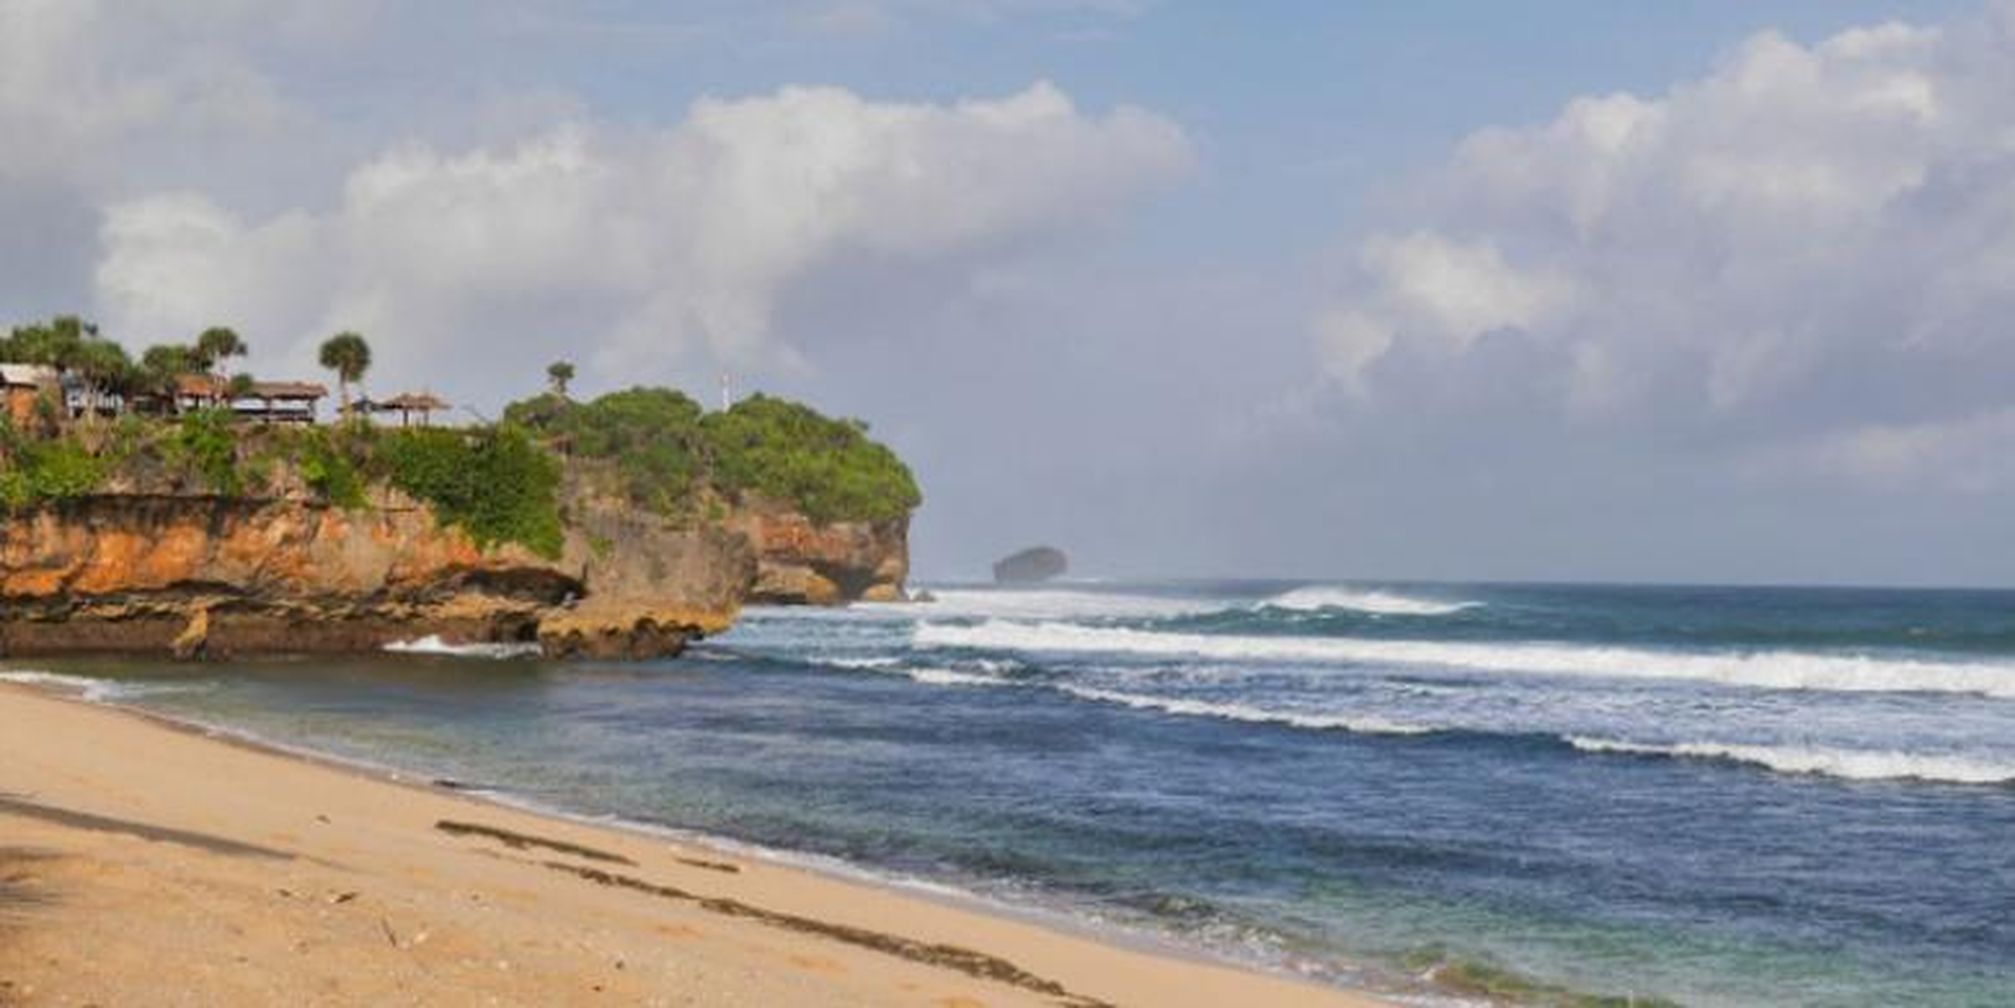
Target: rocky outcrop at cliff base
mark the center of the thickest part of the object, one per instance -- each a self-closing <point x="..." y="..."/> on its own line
<point x="799" y="562"/>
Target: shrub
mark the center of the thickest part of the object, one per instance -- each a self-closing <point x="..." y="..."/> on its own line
<point x="328" y="469"/>
<point x="652" y="435"/>
<point x="494" y="484"/>
<point x="41" y="471"/>
<point x="665" y="448"/>
<point x="830" y="469"/>
<point x="205" y="442"/>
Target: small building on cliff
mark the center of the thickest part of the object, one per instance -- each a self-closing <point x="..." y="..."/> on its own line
<point x="406" y="404"/>
<point x="21" y="385"/>
<point x="280" y="402"/>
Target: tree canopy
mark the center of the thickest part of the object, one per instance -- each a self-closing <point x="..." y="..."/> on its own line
<point x="349" y="356"/>
<point x="666" y="448"/>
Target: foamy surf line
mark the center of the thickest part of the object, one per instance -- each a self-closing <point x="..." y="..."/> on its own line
<point x="1248" y="713"/>
<point x="1787" y="670"/>
<point x="1851" y="764"/>
<point x="1377" y="602"/>
<point x="98" y="690"/>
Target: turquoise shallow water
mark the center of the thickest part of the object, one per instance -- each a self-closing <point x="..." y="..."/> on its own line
<point x="1719" y="796"/>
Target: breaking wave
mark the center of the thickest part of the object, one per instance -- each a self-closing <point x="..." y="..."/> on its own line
<point x="1247" y="712"/>
<point x="1316" y="598"/>
<point x="1847" y="763"/>
<point x="432" y="644"/>
<point x="100" y="690"/>
<point x="1776" y="669"/>
<point x="1053" y="603"/>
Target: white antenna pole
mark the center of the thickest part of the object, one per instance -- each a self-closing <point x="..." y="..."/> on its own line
<point x="727" y="392"/>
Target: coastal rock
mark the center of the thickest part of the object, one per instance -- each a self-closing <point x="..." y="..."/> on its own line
<point x="189" y="574"/>
<point x="1035" y="564"/>
<point x="801" y="562"/>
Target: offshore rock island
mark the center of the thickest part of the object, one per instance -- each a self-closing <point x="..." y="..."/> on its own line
<point x="169" y="510"/>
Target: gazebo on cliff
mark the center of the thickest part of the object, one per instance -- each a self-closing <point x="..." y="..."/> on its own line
<point x="426" y="404"/>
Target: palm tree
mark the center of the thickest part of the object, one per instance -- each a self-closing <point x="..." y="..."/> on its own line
<point x="99" y="364"/>
<point x="160" y="365"/>
<point x="216" y="343"/>
<point x="559" y="373"/>
<point x="349" y="356"/>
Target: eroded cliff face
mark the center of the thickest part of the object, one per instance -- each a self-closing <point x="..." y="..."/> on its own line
<point x="800" y="562"/>
<point x="135" y="571"/>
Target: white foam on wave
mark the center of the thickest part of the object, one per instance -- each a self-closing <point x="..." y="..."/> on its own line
<point x="99" y="690"/>
<point x="1853" y="764"/>
<point x="1789" y="670"/>
<point x="1247" y="712"/>
<point x="880" y="662"/>
<point x="1053" y="603"/>
<point x="929" y="675"/>
<point x="432" y="644"/>
<point x="1316" y="598"/>
<point x="952" y="677"/>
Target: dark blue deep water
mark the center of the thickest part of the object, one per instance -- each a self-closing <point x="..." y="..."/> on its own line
<point x="1718" y="796"/>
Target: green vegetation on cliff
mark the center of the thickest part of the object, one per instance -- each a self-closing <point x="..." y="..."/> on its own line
<point x="112" y="424"/>
<point x="651" y="436"/>
<point x="829" y="468"/>
<point x="494" y="483"/>
<point x="36" y="472"/>
<point x="667" y="450"/>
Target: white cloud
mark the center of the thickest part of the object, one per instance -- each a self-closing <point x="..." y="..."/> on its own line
<point x="1968" y="454"/>
<point x="1810" y="237"/>
<point x="80" y="79"/>
<point x="94" y="95"/>
<point x="642" y="244"/>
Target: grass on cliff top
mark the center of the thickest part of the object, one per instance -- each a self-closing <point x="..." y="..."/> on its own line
<point x="668" y="452"/>
<point x="494" y="483"/>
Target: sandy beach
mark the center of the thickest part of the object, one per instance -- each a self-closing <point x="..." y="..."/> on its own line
<point x="146" y="863"/>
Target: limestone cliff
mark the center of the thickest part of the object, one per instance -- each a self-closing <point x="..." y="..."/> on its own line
<point x="140" y="569"/>
<point x="800" y="562"/>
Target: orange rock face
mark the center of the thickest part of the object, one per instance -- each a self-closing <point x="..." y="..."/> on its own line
<point x="133" y="545"/>
<point x="802" y="563"/>
<point x="204" y="575"/>
<point x="166" y="570"/>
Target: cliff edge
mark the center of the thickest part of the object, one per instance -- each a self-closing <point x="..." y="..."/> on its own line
<point x="163" y="569"/>
<point x="623" y="528"/>
<point x="802" y="562"/>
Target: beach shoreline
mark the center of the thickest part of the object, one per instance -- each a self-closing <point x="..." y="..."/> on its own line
<point x="141" y="854"/>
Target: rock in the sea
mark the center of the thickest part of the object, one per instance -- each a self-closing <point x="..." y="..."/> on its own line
<point x="1037" y="563"/>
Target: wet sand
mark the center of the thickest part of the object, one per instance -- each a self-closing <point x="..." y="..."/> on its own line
<point x="142" y="863"/>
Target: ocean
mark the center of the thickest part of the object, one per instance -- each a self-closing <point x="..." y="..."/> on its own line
<point x="1716" y="796"/>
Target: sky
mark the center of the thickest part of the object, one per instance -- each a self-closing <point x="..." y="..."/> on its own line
<point x="1704" y="292"/>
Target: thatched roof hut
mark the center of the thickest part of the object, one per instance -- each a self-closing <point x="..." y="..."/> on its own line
<point x="426" y="404"/>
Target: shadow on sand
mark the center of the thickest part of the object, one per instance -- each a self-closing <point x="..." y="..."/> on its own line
<point x="15" y="805"/>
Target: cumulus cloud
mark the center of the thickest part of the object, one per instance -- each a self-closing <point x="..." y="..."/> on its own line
<point x="642" y="243"/>
<point x="1808" y="241"/>
<point x="90" y="90"/>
